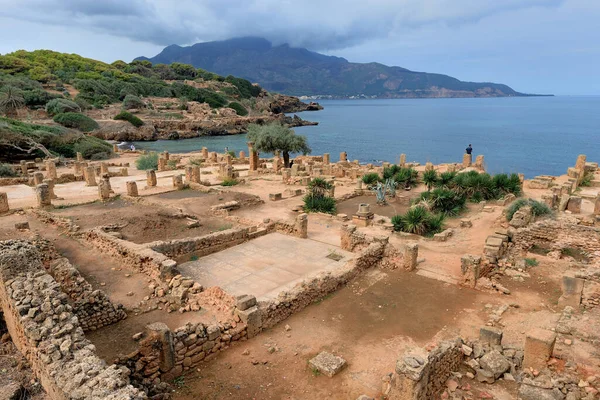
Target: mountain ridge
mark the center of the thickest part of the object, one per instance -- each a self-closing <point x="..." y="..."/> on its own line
<point x="301" y="72"/>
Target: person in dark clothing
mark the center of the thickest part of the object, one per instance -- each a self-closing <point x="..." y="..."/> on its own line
<point x="469" y="149"/>
<point x="291" y="163"/>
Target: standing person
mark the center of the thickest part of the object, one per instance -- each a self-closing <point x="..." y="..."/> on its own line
<point x="226" y="149"/>
<point x="469" y="149"/>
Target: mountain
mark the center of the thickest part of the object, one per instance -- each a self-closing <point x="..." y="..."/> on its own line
<point x="302" y="72"/>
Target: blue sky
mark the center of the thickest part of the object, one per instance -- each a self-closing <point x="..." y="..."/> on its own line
<point x="534" y="46"/>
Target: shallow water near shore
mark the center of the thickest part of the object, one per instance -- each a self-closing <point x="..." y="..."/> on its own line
<point x="531" y="135"/>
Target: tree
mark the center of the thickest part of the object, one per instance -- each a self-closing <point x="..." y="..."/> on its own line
<point x="11" y="99"/>
<point x="276" y="137"/>
<point x="22" y="143"/>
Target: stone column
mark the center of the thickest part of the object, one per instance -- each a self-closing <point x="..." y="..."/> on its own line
<point x="132" y="189"/>
<point x="343" y="156"/>
<point x="242" y="156"/>
<point x="574" y="204"/>
<point x="212" y="157"/>
<point x="162" y="164"/>
<point x="411" y="252"/>
<point x="160" y="337"/>
<point x="50" y="184"/>
<point x="79" y="157"/>
<point x="124" y="172"/>
<point x="580" y="164"/>
<point x="539" y="345"/>
<point x="286" y="174"/>
<point x="151" y="178"/>
<point x="228" y="171"/>
<point x="178" y="182"/>
<point x="115" y="148"/>
<point x="78" y="168"/>
<point x="402" y="160"/>
<point x="106" y="179"/>
<point x="301" y="226"/>
<point x="326" y="160"/>
<point x="51" y="169"/>
<point x="469" y="267"/>
<point x="597" y="206"/>
<point x="252" y="153"/>
<point x="205" y="153"/>
<point x="89" y="174"/>
<point x="103" y="191"/>
<point x="188" y="173"/>
<point x="166" y="155"/>
<point x="42" y="193"/>
<point x="103" y="168"/>
<point x="467" y="159"/>
<point x="196" y="174"/>
<point x="38" y="178"/>
<point x="229" y="159"/>
<point x="3" y="202"/>
<point x="24" y="167"/>
<point x="479" y="162"/>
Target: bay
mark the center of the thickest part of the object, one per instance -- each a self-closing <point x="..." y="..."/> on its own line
<point x="531" y="135"/>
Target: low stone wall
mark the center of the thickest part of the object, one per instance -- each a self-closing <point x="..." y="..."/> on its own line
<point x="46" y="331"/>
<point x="558" y="234"/>
<point x="92" y="307"/>
<point x="140" y="257"/>
<point x="14" y="181"/>
<point x="208" y="244"/>
<point x="166" y="355"/>
<point x="421" y="375"/>
<point x="305" y="293"/>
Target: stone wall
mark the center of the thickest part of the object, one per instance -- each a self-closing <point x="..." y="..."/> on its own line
<point x="166" y="355"/>
<point x="420" y="375"/>
<point x="46" y="331"/>
<point x="92" y="307"/>
<point x="558" y="234"/>
<point x="208" y="244"/>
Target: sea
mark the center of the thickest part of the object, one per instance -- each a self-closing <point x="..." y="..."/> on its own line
<point x="530" y="135"/>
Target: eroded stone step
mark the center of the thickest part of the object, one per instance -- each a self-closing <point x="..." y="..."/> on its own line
<point x="437" y="275"/>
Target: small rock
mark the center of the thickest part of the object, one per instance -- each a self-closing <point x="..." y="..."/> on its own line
<point x="129" y="293"/>
<point x="288" y="328"/>
<point x="137" y="336"/>
<point x="568" y="342"/>
<point x="452" y="385"/>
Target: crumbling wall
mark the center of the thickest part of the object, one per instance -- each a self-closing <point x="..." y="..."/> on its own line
<point x="92" y="307"/>
<point x="422" y="376"/>
<point x="558" y="234"/>
<point x="46" y="331"/>
<point x="207" y="244"/>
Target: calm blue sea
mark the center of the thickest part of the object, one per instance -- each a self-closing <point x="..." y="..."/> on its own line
<point x="532" y="135"/>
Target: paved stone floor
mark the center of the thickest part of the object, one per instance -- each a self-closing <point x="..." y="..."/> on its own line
<point x="265" y="266"/>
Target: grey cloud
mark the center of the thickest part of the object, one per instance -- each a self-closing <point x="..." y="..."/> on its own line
<point x="316" y="24"/>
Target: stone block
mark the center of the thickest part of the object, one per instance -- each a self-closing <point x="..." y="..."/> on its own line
<point x="572" y="288"/>
<point x="494" y="241"/>
<point x="275" y="196"/>
<point x="574" y="204"/>
<point x="132" y="189"/>
<point x="22" y="226"/>
<point x="495" y="363"/>
<point x="490" y="335"/>
<point x="253" y="320"/>
<point x="3" y="202"/>
<point x="244" y="302"/>
<point x="529" y="392"/>
<point x="150" y="178"/>
<point x="327" y="364"/>
<point x="466" y="223"/>
<point x="539" y="345"/>
<point x="411" y="253"/>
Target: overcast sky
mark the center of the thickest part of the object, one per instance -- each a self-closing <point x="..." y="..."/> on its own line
<point x="535" y="46"/>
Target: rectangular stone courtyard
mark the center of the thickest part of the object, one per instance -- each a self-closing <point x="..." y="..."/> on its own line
<point x="265" y="266"/>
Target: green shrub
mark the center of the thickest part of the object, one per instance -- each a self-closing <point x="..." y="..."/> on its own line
<point x="371" y="178"/>
<point x="430" y="178"/>
<point x="230" y="182"/>
<point x="232" y="153"/>
<point x="38" y="97"/>
<point x="537" y="208"/>
<point x="6" y="171"/>
<point x="129" y="117"/>
<point x="130" y="101"/>
<point x="82" y="103"/>
<point x="92" y="148"/>
<point x="60" y="106"/>
<point x="586" y="181"/>
<point x="77" y="121"/>
<point x="319" y="204"/>
<point x="406" y="177"/>
<point x="239" y="109"/>
<point x="147" y="161"/>
<point x="390" y="171"/>
<point x="319" y="187"/>
<point x="531" y="262"/>
<point x="445" y="179"/>
<point x="445" y="201"/>
<point x="419" y="221"/>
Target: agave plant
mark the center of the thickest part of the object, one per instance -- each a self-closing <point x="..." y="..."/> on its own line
<point x="390" y="186"/>
<point x="380" y="190"/>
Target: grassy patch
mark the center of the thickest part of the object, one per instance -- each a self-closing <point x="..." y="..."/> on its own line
<point x="531" y="262"/>
<point x="542" y="251"/>
<point x="230" y="182"/>
<point x="577" y="254"/>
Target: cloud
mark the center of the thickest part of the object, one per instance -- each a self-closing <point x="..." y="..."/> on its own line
<point x="316" y="24"/>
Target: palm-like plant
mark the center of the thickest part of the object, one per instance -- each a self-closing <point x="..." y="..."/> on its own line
<point x="419" y="221"/>
<point x="11" y="99"/>
<point x="444" y="201"/>
<point x="430" y="178"/>
<point x="407" y="177"/>
<point x="319" y="187"/>
<point x="445" y="179"/>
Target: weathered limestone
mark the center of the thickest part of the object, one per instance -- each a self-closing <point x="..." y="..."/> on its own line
<point x="597" y="206"/>
<point x="205" y="153"/>
<point x="253" y="157"/>
<point x="242" y="156"/>
<point x="24" y="167"/>
<point x="275" y="196"/>
<point x="252" y="318"/>
<point x="132" y="189"/>
<point x="402" y="160"/>
<point x="124" y="172"/>
<point x="326" y="160"/>
<point x="301" y="226"/>
<point x="188" y="173"/>
<point x="89" y="174"/>
<point x="467" y="159"/>
<point x="327" y="364"/>
<point x="42" y="193"/>
<point x="490" y="335"/>
<point x="103" y="190"/>
<point x="50" y="184"/>
<point x="151" y="178"/>
<point x="166" y="155"/>
<point x="78" y="167"/>
<point x="572" y="289"/>
<point x="79" y="157"/>
<point x="479" y="163"/>
<point x="178" y="181"/>
<point x="539" y="345"/>
<point x="364" y="216"/>
<point x="522" y="217"/>
<point x="3" y="202"/>
<point x="213" y="157"/>
<point x="51" y="169"/>
<point x="580" y="163"/>
<point x="38" y="178"/>
<point x="228" y="159"/>
<point x="103" y="168"/>
<point x="196" y="174"/>
<point x="411" y="253"/>
<point x="160" y="333"/>
<point x="574" y="204"/>
<point x="286" y="174"/>
<point x="162" y="164"/>
<point x="343" y="156"/>
<point x="469" y="266"/>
